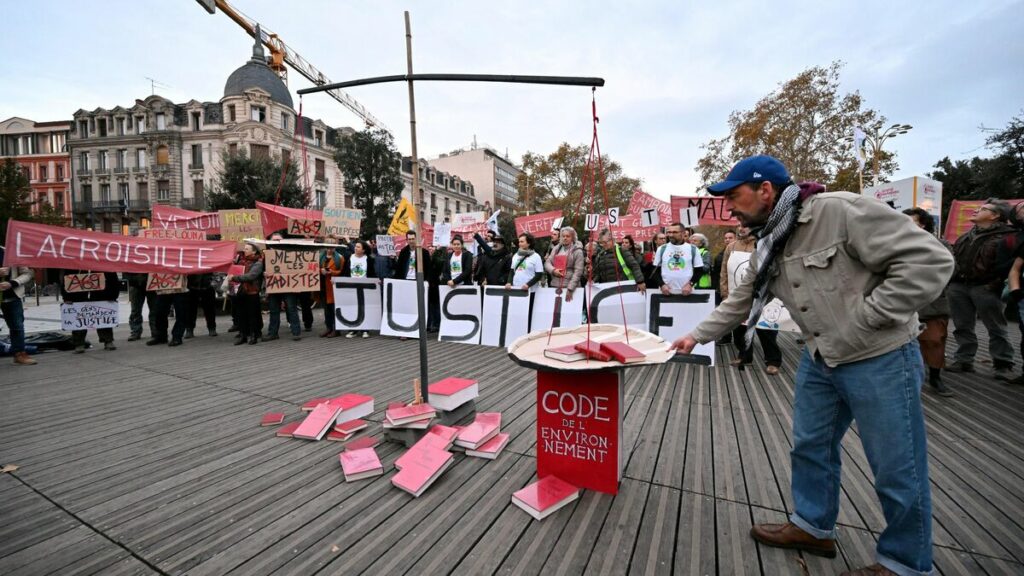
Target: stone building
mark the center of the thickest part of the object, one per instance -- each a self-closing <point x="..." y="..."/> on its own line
<point x="40" y="150"/>
<point x="125" y="160"/>
<point x="442" y="194"/>
<point x="494" y="175"/>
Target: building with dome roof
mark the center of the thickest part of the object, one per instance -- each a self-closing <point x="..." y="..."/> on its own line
<point x="126" y="159"/>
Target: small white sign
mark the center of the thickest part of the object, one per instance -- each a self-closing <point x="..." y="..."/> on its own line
<point x="442" y="234"/>
<point x="86" y="315"/>
<point x="688" y="217"/>
<point x="593" y="221"/>
<point x="649" y="217"/>
<point x="556" y="224"/>
<point x="385" y="245"/>
<point x="613" y="216"/>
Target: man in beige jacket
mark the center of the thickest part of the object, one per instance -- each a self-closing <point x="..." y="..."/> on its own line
<point x="12" y="290"/>
<point x="852" y="272"/>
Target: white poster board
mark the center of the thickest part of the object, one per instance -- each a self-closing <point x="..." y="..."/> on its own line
<point x="549" y="307"/>
<point x="401" y="318"/>
<point x="676" y="315"/>
<point x="461" y="310"/>
<point x="442" y="234"/>
<point x="610" y="299"/>
<point x="385" y="245"/>
<point x="86" y="315"/>
<point x="506" y="315"/>
<point x="357" y="303"/>
<point x="774" y="315"/>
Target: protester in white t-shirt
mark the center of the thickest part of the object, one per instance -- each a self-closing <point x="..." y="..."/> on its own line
<point x="359" y="265"/>
<point x="678" y="262"/>
<point x="460" y="265"/>
<point x="527" y="268"/>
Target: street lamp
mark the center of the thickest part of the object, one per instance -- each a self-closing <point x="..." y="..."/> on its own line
<point x="878" y="137"/>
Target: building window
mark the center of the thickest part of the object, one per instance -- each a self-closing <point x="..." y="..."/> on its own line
<point x="433" y="219"/>
<point x="83" y="128"/>
<point x="140" y="124"/>
<point x="259" y="151"/>
<point x="161" y="121"/>
<point x="83" y="161"/>
<point x="163" y="190"/>
<point x="163" y="155"/>
<point x="102" y="125"/>
<point x="231" y="112"/>
<point x="348" y="201"/>
<point x="103" y="160"/>
<point x="59" y="198"/>
<point x="60" y="171"/>
<point x="195" y="121"/>
<point x="457" y="208"/>
<point x="284" y="122"/>
<point x="197" y="156"/>
<point x="123" y="192"/>
<point x="120" y="126"/>
<point x="321" y="169"/>
<point x="197" y="189"/>
<point x="321" y="198"/>
<point x="140" y="157"/>
<point x="286" y="157"/>
<point x="105" y="193"/>
<point x="42" y="172"/>
<point x="122" y="159"/>
<point x="87" y="193"/>
<point x="433" y="200"/>
<point x="232" y="149"/>
<point x="143" y="190"/>
<point x="258" y="113"/>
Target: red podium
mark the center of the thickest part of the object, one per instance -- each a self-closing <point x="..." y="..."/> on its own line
<point x="580" y="404"/>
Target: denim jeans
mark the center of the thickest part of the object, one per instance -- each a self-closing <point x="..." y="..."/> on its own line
<point x="883" y="394"/>
<point x="291" y="313"/>
<point x="970" y="304"/>
<point x="14" y="316"/>
<point x="137" y="296"/>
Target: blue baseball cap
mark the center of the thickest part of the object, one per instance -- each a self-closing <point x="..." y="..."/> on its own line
<point x="753" y="169"/>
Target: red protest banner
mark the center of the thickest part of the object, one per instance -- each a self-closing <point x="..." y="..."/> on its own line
<point x="171" y="218"/>
<point x="538" y="224"/>
<point x="173" y="234"/>
<point x="710" y="210"/>
<point x="957" y="223"/>
<point x="42" y="246"/>
<point x="642" y="200"/>
<point x="276" y="217"/>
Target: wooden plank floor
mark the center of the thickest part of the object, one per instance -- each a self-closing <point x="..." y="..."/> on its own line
<point x="149" y="461"/>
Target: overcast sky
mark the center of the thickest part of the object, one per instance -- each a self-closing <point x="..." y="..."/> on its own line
<point x="674" y="70"/>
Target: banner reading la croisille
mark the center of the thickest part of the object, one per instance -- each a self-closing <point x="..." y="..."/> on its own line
<point x="42" y="246"/>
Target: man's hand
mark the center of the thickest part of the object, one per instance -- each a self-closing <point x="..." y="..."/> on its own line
<point x="568" y="295"/>
<point x="508" y="286"/>
<point x="687" y="289"/>
<point x="685" y="344"/>
<point x="451" y="284"/>
<point x="666" y="290"/>
<point x="558" y="272"/>
<point x="5" y="286"/>
<point x="641" y="287"/>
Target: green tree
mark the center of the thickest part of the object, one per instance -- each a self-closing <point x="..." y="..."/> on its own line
<point x="15" y="195"/>
<point x="806" y="123"/>
<point x="554" y="182"/>
<point x="371" y="166"/>
<point x="243" y="181"/>
<point x="1000" y="176"/>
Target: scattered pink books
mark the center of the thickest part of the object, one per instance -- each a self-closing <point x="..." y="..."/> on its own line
<point x="308" y="406"/>
<point x="565" y="353"/>
<point x="448" y="433"/>
<point x="545" y="496"/>
<point x="450" y="393"/>
<point x="318" y="422"/>
<point x="417" y="425"/>
<point x="421" y="470"/>
<point x="350" y="427"/>
<point x="336" y="436"/>
<point x="352" y="406"/>
<point x="491" y="448"/>
<point x="272" y="419"/>
<point x="359" y="464"/>
<point x="407" y="414"/>
<point x="432" y="441"/>
<point x="288" y="430"/>
<point x="484" y="427"/>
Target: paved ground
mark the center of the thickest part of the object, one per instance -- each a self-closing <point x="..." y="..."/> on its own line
<point x="150" y="461"/>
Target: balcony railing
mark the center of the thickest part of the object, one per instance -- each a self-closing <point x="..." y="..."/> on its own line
<point x="193" y="203"/>
<point x="138" y="169"/>
<point x="109" y="206"/>
<point x="195" y="167"/>
<point x="121" y="170"/>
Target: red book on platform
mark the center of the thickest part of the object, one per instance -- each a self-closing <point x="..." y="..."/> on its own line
<point x="450" y="393"/>
<point x="352" y="406"/>
<point x="272" y="419"/>
<point x="308" y="406"/>
<point x="565" y="353"/>
<point x="407" y="414"/>
<point x="622" y="352"/>
<point x="432" y="441"/>
<point x="448" y="433"/>
<point x="359" y="464"/>
<point x="288" y="430"/>
<point x="484" y="427"/>
<point x="336" y="436"/>
<point x="421" y="470"/>
<point x="491" y="448"/>
<point x="542" y="498"/>
<point x="364" y="442"/>
<point x="350" y="427"/>
<point x="317" y="423"/>
<point x="593" y="349"/>
<point x="417" y="425"/>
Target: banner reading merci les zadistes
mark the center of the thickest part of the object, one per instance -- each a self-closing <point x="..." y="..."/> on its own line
<point x="42" y="246"/>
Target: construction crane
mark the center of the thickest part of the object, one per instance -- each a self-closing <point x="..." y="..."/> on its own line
<point x="281" y="54"/>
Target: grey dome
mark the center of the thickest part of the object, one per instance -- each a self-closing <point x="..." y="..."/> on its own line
<point x="256" y="74"/>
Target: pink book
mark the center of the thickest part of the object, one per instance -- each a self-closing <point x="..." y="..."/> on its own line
<point x="432" y="441"/>
<point x="450" y="393"/>
<point x="421" y="470"/>
<point x="359" y="464"/>
<point x="288" y="430"/>
<point x="308" y="406"/>
<point x="350" y="427"/>
<point x="393" y="405"/>
<point x="272" y="419"/>
<point x="448" y="433"/>
<point x="491" y="448"/>
<point x="486" y="426"/>
<point x="565" y="353"/>
<point x="545" y="496"/>
<point x="404" y="415"/>
<point x="336" y="436"/>
<point x="450" y="386"/>
<point x="364" y="442"/>
<point x="352" y="406"/>
<point x="318" y="422"/>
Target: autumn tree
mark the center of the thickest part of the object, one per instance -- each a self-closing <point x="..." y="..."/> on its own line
<point x="16" y="199"/>
<point x="243" y="180"/>
<point x="807" y="123"/>
<point x="371" y="163"/>
<point x="553" y="182"/>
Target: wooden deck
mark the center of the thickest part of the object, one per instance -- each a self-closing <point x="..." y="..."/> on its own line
<point x="150" y="461"/>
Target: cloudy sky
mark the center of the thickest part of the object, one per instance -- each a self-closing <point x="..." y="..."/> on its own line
<point x="674" y="69"/>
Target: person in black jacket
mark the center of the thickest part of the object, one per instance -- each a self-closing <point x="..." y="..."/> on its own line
<point x="109" y="293"/>
<point x="405" y="269"/>
<point x="459" y="268"/>
<point x="493" y="263"/>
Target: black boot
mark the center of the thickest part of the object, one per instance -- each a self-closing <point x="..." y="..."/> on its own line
<point x="254" y="340"/>
<point x="935" y="381"/>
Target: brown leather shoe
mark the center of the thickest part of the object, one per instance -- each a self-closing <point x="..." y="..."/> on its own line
<point x="873" y="570"/>
<point x="790" y="536"/>
<point x="23" y="359"/>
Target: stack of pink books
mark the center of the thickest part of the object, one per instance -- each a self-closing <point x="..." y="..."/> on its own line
<point x="417" y="417"/>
